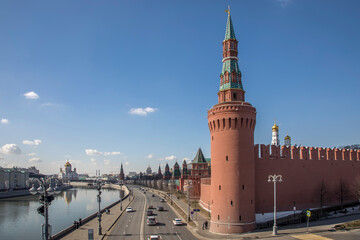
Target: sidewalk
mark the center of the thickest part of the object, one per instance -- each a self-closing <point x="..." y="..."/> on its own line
<point x="321" y="226"/>
<point x="107" y="221"/>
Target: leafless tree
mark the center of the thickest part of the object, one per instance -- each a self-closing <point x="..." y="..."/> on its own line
<point x="342" y="192"/>
<point x="355" y="188"/>
<point x="321" y="194"/>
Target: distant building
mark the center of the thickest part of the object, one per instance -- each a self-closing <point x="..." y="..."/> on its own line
<point x="68" y="174"/>
<point x="13" y="178"/>
<point x="148" y="170"/>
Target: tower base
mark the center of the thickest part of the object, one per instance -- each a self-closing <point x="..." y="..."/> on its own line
<point x="232" y="228"/>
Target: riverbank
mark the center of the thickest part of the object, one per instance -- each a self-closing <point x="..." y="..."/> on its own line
<point x="21" y="193"/>
<point x="90" y="222"/>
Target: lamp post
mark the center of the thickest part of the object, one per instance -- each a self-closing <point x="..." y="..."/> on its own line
<point x="46" y="197"/>
<point x="99" y="201"/>
<point x="189" y="203"/>
<point x="274" y="178"/>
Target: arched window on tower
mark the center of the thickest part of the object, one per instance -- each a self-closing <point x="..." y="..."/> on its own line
<point x="232" y="45"/>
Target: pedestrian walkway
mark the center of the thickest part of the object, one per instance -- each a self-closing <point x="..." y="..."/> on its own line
<point x="310" y="237"/>
<point x="107" y="221"/>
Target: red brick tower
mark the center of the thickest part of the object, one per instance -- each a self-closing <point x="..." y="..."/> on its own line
<point x="121" y="175"/>
<point x="232" y="123"/>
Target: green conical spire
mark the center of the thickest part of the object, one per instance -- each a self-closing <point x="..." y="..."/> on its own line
<point x="229" y="34"/>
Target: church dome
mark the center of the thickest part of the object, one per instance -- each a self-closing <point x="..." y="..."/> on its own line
<point x="67" y="164"/>
<point x="287" y="137"/>
<point x="275" y="127"/>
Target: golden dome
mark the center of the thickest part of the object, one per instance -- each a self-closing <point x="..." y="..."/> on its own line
<point x="67" y="164"/>
<point x="287" y="137"/>
<point x="275" y="127"/>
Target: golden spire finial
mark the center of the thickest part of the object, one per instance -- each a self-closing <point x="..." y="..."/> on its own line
<point x="228" y="10"/>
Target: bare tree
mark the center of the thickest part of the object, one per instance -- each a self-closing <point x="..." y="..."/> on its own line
<point x="342" y="192"/>
<point x="355" y="188"/>
<point x="321" y="194"/>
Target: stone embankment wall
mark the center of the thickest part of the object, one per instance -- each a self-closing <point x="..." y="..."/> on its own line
<point x="71" y="228"/>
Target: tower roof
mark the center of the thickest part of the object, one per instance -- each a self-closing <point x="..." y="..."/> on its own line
<point x="229" y="33"/>
<point x="275" y="127"/>
<point x="199" y="158"/>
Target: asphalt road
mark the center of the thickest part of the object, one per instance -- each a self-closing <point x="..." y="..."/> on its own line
<point x="133" y="225"/>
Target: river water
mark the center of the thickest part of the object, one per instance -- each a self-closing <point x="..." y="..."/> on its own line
<point x="19" y="218"/>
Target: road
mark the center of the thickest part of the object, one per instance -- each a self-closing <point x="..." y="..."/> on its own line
<point x="133" y="225"/>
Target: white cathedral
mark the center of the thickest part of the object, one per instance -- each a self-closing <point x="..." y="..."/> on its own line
<point x="68" y="174"/>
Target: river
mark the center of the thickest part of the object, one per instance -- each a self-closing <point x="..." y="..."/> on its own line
<point x="19" y="218"/>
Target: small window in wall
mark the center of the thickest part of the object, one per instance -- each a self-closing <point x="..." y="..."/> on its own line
<point x="227" y="158"/>
<point x="212" y="138"/>
<point x="218" y="217"/>
<point x="240" y="218"/>
<point x="243" y="187"/>
<point x="234" y="96"/>
<point x="232" y="45"/>
<point x="231" y="203"/>
<point x="212" y="201"/>
<point x="219" y="187"/>
<point x="251" y="201"/>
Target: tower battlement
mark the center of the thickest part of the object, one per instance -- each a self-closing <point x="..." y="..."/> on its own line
<point x="262" y="151"/>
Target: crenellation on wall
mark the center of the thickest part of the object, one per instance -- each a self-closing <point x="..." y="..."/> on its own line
<point x="346" y="154"/>
<point x="275" y="152"/>
<point x="285" y="152"/>
<point x="295" y="152"/>
<point x="330" y="154"/>
<point x="338" y="154"/>
<point x="304" y="153"/>
<point x="262" y="151"/>
<point x="265" y="151"/>
<point x="322" y="153"/>
<point x="314" y="153"/>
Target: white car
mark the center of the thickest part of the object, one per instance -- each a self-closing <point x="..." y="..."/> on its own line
<point x="154" y="237"/>
<point x="151" y="221"/>
<point x="129" y="209"/>
<point x="177" y="222"/>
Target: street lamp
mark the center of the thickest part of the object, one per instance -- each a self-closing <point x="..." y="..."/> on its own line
<point x="99" y="201"/>
<point x="189" y="203"/>
<point x="46" y="197"/>
<point x="274" y="178"/>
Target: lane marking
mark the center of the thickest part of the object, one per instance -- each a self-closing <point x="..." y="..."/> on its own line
<point x="311" y="237"/>
<point x="142" y="221"/>
<point x="178" y="235"/>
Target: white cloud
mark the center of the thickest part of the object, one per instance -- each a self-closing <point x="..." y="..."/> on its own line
<point x="170" y="158"/>
<point x="150" y="156"/>
<point x="34" y="160"/>
<point x="111" y="153"/>
<point x="107" y="161"/>
<point x="31" y="95"/>
<point x="49" y="104"/>
<point x="142" y="111"/>
<point x="36" y="142"/>
<point x="10" y="149"/>
<point x="92" y="160"/>
<point x="93" y="152"/>
<point x="4" y="121"/>
<point x="31" y="154"/>
<point x="127" y="163"/>
<point x="284" y="3"/>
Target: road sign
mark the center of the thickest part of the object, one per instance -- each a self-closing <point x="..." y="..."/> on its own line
<point x="308" y="213"/>
<point x="196" y="210"/>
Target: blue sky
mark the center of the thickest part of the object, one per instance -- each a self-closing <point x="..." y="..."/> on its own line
<point x="105" y="82"/>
